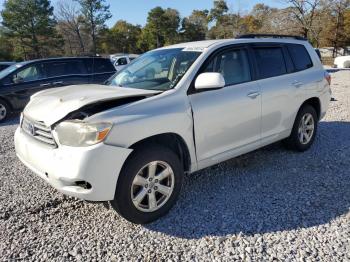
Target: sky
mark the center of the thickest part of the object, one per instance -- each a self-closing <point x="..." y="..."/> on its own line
<point x="135" y="11"/>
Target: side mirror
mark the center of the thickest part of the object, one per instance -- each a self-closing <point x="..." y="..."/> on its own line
<point x="210" y="81"/>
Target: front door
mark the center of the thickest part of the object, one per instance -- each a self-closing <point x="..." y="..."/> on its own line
<point x="25" y="82"/>
<point x="227" y="119"/>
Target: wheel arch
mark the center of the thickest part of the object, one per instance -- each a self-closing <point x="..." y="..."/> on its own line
<point x="7" y="102"/>
<point x="315" y="103"/>
<point x="171" y="141"/>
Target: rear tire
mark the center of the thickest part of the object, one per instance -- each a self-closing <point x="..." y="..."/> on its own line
<point x="4" y="110"/>
<point x="304" y="130"/>
<point x="148" y="185"/>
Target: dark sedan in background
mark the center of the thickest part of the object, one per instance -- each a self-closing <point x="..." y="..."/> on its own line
<point x="20" y="81"/>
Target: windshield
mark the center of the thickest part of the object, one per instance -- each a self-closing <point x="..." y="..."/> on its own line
<point x="156" y="70"/>
<point x="9" y="70"/>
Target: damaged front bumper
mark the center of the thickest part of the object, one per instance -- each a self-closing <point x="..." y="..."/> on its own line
<point x="89" y="173"/>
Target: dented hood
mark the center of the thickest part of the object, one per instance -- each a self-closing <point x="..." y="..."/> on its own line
<point x="52" y="105"/>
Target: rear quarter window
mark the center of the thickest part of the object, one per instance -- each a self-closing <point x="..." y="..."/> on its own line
<point x="103" y="66"/>
<point x="77" y="67"/>
<point x="300" y="57"/>
<point x="57" y="68"/>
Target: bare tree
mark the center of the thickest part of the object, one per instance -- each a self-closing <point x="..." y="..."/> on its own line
<point x="305" y="12"/>
<point x="70" y="22"/>
<point x="338" y="8"/>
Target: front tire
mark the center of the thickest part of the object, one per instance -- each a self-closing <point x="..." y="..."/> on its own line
<point x="304" y="130"/>
<point x="4" y="110"/>
<point x="148" y="185"/>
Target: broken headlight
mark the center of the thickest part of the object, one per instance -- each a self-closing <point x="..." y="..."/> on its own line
<point x="79" y="134"/>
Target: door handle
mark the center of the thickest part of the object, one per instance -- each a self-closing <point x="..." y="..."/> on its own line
<point x="253" y="95"/>
<point x="44" y="85"/>
<point x="297" y="83"/>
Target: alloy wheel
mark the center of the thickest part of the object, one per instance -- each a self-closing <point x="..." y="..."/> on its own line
<point x="152" y="186"/>
<point x="306" y="128"/>
<point x="3" y="112"/>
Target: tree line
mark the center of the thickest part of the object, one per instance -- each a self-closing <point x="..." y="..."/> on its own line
<point x="34" y="29"/>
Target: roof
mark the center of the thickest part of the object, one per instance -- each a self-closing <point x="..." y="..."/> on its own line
<point x="7" y="63"/>
<point x="197" y="44"/>
<point x="61" y="58"/>
<point x="200" y="45"/>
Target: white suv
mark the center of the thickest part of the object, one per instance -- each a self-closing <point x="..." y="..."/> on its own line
<point x="175" y="110"/>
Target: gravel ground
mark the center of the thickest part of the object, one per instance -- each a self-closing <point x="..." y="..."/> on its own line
<point x="271" y="204"/>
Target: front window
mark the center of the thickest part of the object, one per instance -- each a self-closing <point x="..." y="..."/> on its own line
<point x="233" y="65"/>
<point x="156" y="70"/>
<point x="30" y="73"/>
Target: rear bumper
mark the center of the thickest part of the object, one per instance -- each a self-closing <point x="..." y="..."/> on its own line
<point x="325" y="99"/>
<point x="62" y="167"/>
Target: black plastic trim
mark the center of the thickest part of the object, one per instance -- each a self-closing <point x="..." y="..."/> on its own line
<point x="247" y="36"/>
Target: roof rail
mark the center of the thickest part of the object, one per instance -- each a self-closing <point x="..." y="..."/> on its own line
<point x="270" y="36"/>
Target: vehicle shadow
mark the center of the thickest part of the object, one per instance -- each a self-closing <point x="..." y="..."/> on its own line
<point x="269" y="190"/>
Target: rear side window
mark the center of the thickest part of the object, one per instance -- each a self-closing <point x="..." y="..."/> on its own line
<point x="77" y="67"/>
<point x="54" y="69"/>
<point x="300" y="57"/>
<point x="103" y="66"/>
<point x="233" y="65"/>
<point x="270" y="61"/>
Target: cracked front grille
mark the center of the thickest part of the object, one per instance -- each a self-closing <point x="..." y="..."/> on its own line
<point x="39" y="131"/>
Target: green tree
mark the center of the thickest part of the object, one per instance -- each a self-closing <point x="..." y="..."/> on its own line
<point x="218" y="11"/>
<point x="6" y="47"/>
<point x="32" y="25"/>
<point x="226" y="25"/>
<point x="95" y="14"/>
<point x="195" y="27"/>
<point x="121" y="38"/>
<point x="161" y="28"/>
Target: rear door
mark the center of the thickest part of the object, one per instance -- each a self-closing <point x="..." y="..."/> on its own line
<point x="274" y="71"/>
<point x="66" y="72"/>
<point x="25" y="82"/>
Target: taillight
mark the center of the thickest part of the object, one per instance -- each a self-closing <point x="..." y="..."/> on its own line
<point x="328" y="77"/>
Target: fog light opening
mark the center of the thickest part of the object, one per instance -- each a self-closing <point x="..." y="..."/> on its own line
<point x="83" y="184"/>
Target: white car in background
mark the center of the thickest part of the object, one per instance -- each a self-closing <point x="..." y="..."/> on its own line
<point x="175" y="110"/>
<point x="121" y="60"/>
<point x="342" y="62"/>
